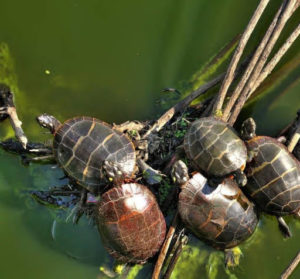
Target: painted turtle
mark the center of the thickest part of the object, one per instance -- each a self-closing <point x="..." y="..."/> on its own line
<point x="222" y="216"/>
<point x="130" y="223"/>
<point x="215" y="148"/>
<point x="85" y="146"/>
<point x="129" y="220"/>
<point x="273" y="175"/>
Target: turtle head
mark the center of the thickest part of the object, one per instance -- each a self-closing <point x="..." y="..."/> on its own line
<point x="248" y="130"/>
<point x="180" y="173"/>
<point x="114" y="172"/>
<point x="48" y="121"/>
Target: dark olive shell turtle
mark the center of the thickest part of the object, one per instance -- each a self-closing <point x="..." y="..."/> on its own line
<point x="81" y="146"/>
<point x="273" y="177"/>
<point x="214" y="147"/>
<point x="222" y="216"/>
<point x="130" y="223"/>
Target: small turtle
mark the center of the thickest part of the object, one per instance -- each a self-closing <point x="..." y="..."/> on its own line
<point x="215" y="148"/>
<point x="85" y="146"/>
<point x="131" y="225"/>
<point x="273" y="176"/>
<point x="222" y="216"/>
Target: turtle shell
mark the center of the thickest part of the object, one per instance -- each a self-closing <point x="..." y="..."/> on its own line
<point x="214" y="147"/>
<point x="273" y="177"/>
<point x="82" y="144"/>
<point x="130" y="223"/>
<point x="222" y="216"/>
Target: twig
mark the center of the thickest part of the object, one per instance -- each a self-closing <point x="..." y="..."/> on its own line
<point x="165" y="248"/>
<point x="288" y="271"/>
<point x="237" y="55"/>
<point x="285" y="15"/>
<point x="251" y="65"/>
<point x="274" y="61"/>
<point x="8" y="108"/>
<point x="182" y="241"/>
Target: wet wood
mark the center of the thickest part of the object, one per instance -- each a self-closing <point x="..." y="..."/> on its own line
<point x="165" y="247"/>
<point x="292" y="266"/>
<point x="8" y="109"/>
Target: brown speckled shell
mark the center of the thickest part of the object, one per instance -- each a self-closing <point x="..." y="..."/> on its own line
<point x="131" y="225"/>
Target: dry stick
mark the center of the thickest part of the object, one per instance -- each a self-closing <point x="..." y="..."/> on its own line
<point x="237" y="55"/>
<point x="251" y="65"/>
<point x="17" y="126"/>
<point x="178" y="250"/>
<point x="286" y="14"/>
<point x="269" y="67"/>
<point x="274" y="61"/>
<point x="294" y="140"/>
<point x="288" y="271"/>
<point x="164" y="249"/>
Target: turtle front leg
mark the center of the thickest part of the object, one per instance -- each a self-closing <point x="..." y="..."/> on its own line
<point x="232" y="257"/>
<point x="284" y="228"/>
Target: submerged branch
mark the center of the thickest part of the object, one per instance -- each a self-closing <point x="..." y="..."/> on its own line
<point x="288" y="271"/>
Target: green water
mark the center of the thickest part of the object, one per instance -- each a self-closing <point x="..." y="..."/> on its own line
<point x="110" y="60"/>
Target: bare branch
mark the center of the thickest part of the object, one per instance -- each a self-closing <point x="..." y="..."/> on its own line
<point x="251" y="65"/>
<point x="285" y="15"/>
<point x="238" y="53"/>
<point x="164" y="249"/>
<point x="288" y="271"/>
<point x="277" y="57"/>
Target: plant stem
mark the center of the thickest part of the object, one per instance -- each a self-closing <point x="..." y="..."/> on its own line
<point x="165" y="248"/>
<point x="251" y="65"/>
<point x="274" y="61"/>
<point x="283" y="18"/>
<point x="237" y="55"/>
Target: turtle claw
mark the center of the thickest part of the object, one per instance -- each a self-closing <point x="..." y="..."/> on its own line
<point x="232" y="257"/>
<point x="284" y="228"/>
<point x="3" y="110"/>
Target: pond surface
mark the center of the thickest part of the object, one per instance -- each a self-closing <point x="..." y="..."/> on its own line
<point x="110" y="60"/>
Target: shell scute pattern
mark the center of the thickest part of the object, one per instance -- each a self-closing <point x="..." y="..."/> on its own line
<point x="273" y="177"/>
<point x="82" y="144"/>
<point x="130" y="223"/>
<point x="214" y="147"/>
<point x="221" y="216"/>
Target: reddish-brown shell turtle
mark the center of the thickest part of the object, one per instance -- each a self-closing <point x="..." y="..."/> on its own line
<point x="222" y="216"/>
<point x="214" y="147"/>
<point x="130" y="223"/>
<point x="82" y="145"/>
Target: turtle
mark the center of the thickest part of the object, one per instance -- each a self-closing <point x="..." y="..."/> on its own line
<point x="130" y="222"/>
<point x="222" y="216"/>
<point x="89" y="150"/>
<point x="273" y="176"/>
<point x="215" y="148"/>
